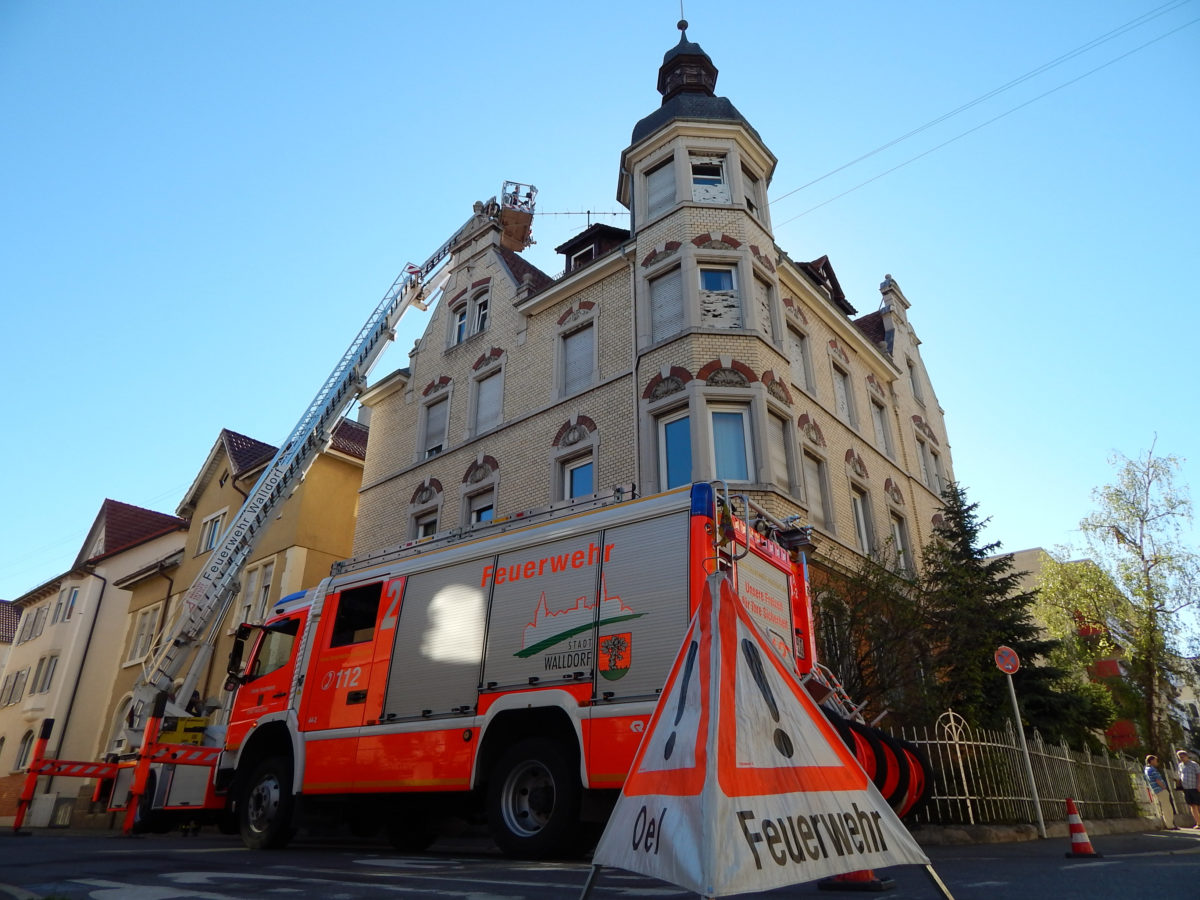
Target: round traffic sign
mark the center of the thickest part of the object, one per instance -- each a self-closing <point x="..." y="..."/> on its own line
<point x="1007" y="660"/>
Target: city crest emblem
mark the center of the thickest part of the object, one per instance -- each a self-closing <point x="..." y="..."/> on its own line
<point x="616" y="655"/>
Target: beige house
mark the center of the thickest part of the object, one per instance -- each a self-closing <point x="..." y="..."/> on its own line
<point x="60" y="666"/>
<point x="688" y="348"/>
<point x="312" y="530"/>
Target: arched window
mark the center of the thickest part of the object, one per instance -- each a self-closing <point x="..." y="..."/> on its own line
<point x="24" y="749"/>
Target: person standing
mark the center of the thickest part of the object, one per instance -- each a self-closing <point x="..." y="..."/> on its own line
<point x="1189" y="780"/>
<point x="1158" y="790"/>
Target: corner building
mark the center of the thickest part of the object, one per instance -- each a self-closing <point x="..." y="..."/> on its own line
<point x="687" y="349"/>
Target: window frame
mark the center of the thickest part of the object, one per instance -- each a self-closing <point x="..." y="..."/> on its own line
<point x="704" y="294"/>
<point x="883" y="434"/>
<point x="752" y="194"/>
<point x="815" y="464"/>
<point x="914" y="381"/>
<point x="901" y="546"/>
<point x="24" y="751"/>
<point x="745" y="413"/>
<point x="421" y="520"/>
<point x="717" y="188"/>
<point x="861" y="512"/>
<point x="476" y="503"/>
<point x="151" y="615"/>
<point x="842" y="377"/>
<point x="786" y="439"/>
<point x="44" y="676"/>
<point x="468" y="317"/>
<point x="666" y="170"/>
<point x="479" y="426"/>
<point x="663" y="328"/>
<point x="426" y="450"/>
<point x="566" y="364"/>
<point x="567" y="469"/>
<point x="661" y="422"/>
<point x="805" y="358"/>
<point x="210" y="531"/>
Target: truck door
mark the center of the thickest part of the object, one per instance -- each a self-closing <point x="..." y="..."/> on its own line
<point x="267" y="679"/>
<point x="337" y="687"/>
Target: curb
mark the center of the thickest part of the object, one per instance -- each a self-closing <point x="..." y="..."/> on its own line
<point x="955" y="835"/>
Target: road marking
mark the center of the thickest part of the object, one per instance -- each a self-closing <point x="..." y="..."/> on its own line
<point x="119" y="890"/>
<point x="16" y="893"/>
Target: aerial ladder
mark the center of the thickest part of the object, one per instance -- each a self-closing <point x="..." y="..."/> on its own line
<point x="196" y="625"/>
<point x="204" y="606"/>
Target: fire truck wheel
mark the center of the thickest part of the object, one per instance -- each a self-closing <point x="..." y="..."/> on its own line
<point x="146" y="819"/>
<point x="266" y="805"/>
<point x="533" y="800"/>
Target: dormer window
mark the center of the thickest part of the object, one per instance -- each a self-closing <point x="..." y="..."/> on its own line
<point x="709" y="184"/>
<point x="582" y="257"/>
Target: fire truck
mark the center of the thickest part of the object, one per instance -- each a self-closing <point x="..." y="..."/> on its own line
<point x="507" y="669"/>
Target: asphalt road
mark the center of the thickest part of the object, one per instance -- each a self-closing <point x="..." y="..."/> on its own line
<point x="105" y="866"/>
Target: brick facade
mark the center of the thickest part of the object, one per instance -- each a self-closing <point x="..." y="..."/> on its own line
<point x="734" y="345"/>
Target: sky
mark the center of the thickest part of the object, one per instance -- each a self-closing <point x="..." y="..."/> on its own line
<point x="201" y="203"/>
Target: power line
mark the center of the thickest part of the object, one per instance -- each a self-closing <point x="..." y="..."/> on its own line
<point x="988" y="122"/>
<point x="1083" y="48"/>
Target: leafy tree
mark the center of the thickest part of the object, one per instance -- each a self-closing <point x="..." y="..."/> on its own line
<point x="1135" y="536"/>
<point x="870" y="631"/>
<point x="975" y="603"/>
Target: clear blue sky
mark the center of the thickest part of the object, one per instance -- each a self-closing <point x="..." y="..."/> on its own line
<point x="202" y="202"/>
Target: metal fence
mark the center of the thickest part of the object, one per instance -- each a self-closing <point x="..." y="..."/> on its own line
<point x="979" y="778"/>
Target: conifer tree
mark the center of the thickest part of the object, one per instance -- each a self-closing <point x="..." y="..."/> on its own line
<point x="975" y="604"/>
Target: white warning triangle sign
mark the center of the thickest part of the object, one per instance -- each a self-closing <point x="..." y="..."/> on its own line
<point x="740" y="783"/>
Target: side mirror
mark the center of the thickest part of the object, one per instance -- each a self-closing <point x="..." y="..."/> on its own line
<point x="235" y="653"/>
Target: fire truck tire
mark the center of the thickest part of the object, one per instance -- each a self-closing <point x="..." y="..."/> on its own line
<point x="146" y="819"/>
<point x="265" y="808"/>
<point x="533" y="800"/>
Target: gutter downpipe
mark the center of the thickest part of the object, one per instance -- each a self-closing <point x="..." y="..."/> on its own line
<point x="633" y="346"/>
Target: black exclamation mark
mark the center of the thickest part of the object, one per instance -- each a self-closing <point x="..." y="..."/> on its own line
<point x="783" y="743"/>
<point x="687" y="676"/>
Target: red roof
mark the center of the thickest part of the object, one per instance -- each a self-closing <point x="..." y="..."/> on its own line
<point x="245" y="453"/>
<point x="350" y="437"/>
<point x="10" y="615"/>
<point x="871" y="325"/>
<point x="521" y="267"/>
<point x="126" y="526"/>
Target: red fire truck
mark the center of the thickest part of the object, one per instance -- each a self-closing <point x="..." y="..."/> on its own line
<point x="511" y="673"/>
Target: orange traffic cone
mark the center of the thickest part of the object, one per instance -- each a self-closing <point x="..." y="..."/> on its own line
<point x="862" y="880"/>
<point x="1081" y="846"/>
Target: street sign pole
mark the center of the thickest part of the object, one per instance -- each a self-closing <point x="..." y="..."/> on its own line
<point x="1008" y="662"/>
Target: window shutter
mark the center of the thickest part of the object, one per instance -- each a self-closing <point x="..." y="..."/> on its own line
<point x="487" y="403"/>
<point x="779" y="454"/>
<point x="762" y="293"/>
<point x="577" y="360"/>
<point x="435" y="427"/>
<point x="666" y="305"/>
<point x="815" y="490"/>
<point x="798" y="351"/>
<point x="660" y="189"/>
